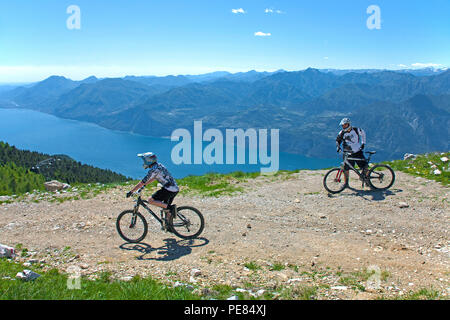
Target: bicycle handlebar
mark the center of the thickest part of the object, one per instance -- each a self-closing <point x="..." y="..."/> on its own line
<point x="349" y="153"/>
<point x="138" y="191"/>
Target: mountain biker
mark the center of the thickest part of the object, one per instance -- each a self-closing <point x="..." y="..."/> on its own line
<point x="353" y="141"/>
<point x="162" y="198"/>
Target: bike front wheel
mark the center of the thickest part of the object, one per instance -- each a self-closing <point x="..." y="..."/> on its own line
<point x="188" y="224"/>
<point x="381" y="177"/>
<point x="334" y="181"/>
<point x="131" y="226"/>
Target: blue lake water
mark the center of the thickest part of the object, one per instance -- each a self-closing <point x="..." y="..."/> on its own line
<point x="115" y="150"/>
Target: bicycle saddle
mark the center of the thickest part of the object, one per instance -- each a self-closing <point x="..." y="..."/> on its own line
<point x="371" y="152"/>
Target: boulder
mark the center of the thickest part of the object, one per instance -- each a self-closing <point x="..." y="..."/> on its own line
<point x="403" y="205"/>
<point x="342" y="288"/>
<point x="408" y="156"/>
<point x="7" y="252"/>
<point x="27" y="275"/>
<point x="195" y="272"/>
<point x="55" y="185"/>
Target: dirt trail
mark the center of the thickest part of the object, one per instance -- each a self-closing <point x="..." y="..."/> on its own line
<point x="290" y="228"/>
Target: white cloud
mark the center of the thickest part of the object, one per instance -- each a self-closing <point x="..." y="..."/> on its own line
<point x="421" y="65"/>
<point x="326" y="58"/>
<point x="426" y="65"/>
<point x="240" y="10"/>
<point x="262" y="34"/>
<point x="269" y="10"/>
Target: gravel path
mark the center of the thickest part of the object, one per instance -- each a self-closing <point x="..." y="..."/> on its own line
<point x="289" y="228"/>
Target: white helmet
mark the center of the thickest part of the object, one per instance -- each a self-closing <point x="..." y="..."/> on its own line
<point x="149" y="158"/>
<point x="345" y="121"/>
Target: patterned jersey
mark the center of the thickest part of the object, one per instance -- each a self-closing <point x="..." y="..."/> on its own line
<point x="352" y="140"/>
<point x="163" y="176"/>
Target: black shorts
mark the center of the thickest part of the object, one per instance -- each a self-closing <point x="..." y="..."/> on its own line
<point x="361" y="163"/>
<point x="164" y="195"/>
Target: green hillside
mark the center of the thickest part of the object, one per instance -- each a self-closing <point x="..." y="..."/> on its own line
<point x="18" y="180"/>
<point x="22" y="171"/>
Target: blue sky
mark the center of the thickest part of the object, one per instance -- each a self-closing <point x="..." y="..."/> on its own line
<point x="154" y="37"/>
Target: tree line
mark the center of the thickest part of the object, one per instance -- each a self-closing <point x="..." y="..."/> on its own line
<point x="23" y="170"/>
<point x="18" y="180"/>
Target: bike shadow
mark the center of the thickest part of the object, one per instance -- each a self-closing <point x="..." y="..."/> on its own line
<point x="371" y="195"/>
<point x="171" y="250"/>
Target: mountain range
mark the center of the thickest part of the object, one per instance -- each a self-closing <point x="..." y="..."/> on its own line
<point x="401" y="112"/>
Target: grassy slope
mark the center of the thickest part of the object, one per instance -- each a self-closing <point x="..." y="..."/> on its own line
<point x="216" y="184"/>
<point x="425" y="165"/>
<point x="52" y="285"/>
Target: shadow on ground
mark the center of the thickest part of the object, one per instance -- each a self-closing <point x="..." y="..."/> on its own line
<point x="171" y="250"/>
<point x="369" y="195"/>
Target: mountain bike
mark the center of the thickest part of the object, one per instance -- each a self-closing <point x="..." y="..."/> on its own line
<point x="378" y="177"/>
<point x="133" y="227"/>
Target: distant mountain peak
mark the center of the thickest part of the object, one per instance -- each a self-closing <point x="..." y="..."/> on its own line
<point x="90" y="79"/>
<point x="56" y="78"/>
<point x="312" y="70"/>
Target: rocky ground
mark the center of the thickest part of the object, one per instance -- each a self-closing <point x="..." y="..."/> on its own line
<point x="283" y="233"/>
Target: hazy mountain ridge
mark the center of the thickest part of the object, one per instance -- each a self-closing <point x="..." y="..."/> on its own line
<point x="400" y="112"/>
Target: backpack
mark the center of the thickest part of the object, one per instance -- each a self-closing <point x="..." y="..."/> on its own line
<point x="357" y="132"/>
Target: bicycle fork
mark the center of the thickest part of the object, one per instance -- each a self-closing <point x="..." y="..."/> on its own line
<point x="134" y="217"/>
<point x="339" y="176"/>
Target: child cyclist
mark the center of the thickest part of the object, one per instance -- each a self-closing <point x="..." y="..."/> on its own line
<point x="163" y="197"/>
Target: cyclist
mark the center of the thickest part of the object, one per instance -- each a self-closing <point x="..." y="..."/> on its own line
<point x="163" y="197"/>
<point x="353" y="141"/>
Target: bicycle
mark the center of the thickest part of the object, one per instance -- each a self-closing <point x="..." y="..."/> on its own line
<point x="379" y="177"/>
<point x="133" y="227"/>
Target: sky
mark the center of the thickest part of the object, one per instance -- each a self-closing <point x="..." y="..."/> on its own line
<point x="40" y="38"/>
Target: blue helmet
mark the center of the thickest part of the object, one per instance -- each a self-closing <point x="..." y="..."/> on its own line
<point x="149" y="158"/>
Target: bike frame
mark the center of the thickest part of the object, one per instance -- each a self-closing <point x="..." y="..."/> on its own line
<point x="346" y="162"/>
<point x="140" y="202"/>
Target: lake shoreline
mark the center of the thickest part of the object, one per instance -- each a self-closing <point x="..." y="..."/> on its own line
<point x="115" y="150"/>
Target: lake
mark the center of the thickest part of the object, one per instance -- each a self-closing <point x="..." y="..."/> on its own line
<point x="108" y="149"/>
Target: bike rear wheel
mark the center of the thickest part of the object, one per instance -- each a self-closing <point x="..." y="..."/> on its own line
<point x="334" y="181"/>
<point x="132" y="227"/>
<point x="381" y="177"/>
<point x="188" y="224"/>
